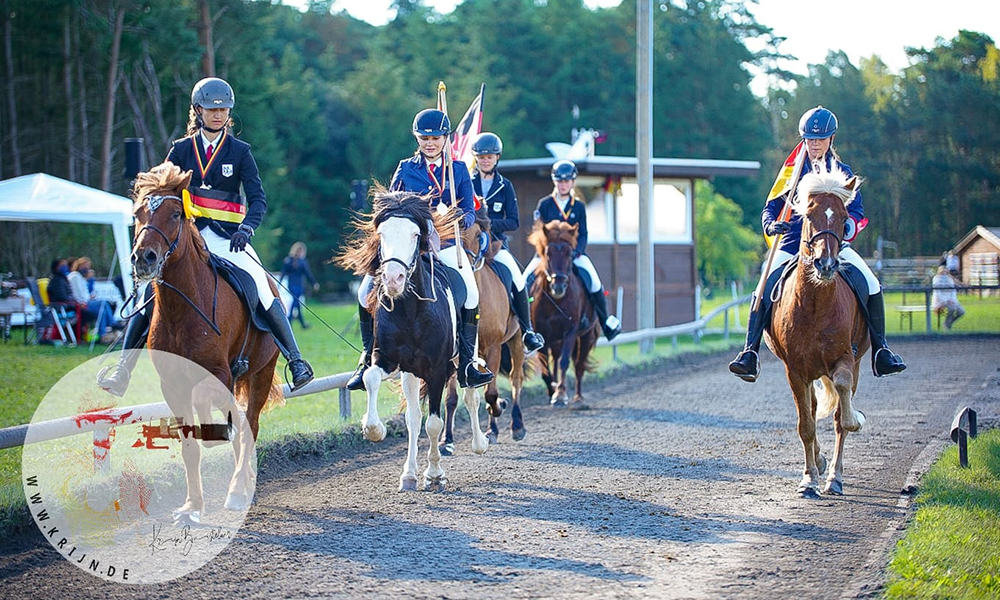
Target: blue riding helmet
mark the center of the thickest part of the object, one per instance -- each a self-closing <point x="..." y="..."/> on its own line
<point x="817" y="124"/>
<point x="564" y="169"/>
<point x="212" y="92"/>
<point x="487" y="143"/>
<point x="431" y="122"/>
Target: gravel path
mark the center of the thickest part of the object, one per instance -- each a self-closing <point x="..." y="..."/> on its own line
<point x="680" y="483"/>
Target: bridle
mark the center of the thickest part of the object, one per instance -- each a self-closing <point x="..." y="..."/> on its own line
<point x="550" y="277"/>
<point x="408" y="267"/>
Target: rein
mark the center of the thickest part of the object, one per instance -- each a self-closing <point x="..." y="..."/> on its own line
<point x="410" y="268"/>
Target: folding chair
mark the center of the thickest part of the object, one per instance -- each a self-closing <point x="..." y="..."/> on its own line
<point x="54" y="316"/>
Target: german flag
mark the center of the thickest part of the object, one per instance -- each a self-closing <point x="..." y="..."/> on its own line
<point x="784" y="182"/>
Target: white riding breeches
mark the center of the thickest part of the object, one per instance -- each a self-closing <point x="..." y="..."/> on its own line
<point x="246" y="261"/>
<point x="505" y="258"/>
<point x="448" y="257"/>
<point x="582" y="261"/>
<point x="848" y="255"/>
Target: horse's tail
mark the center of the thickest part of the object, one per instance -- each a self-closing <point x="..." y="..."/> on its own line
<point x="827" y="398"/>
<point x="528" y="367"/>
<point x="275" y="397"/>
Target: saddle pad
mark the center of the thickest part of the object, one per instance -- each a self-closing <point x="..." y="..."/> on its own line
<point x="244" y="286"/>
<point x="584" y="277"/>
<point x="502" y="273"/>
<point x="450" y="279"/>
<point x="851" y="275"/>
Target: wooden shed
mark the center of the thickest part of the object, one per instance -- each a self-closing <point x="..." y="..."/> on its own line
<point x="979" y="256"/>
<point x="609" y="186"/>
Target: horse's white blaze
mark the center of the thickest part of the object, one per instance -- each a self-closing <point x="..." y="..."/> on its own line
<point x="371" y="426"/>
<point x="398" y="239"/>
<point x="829" y="214"/>
<point x="411" y="391"/>
<point x="471" y="399"/>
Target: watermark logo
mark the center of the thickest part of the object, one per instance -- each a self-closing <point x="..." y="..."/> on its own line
<point x="143" y="488"/>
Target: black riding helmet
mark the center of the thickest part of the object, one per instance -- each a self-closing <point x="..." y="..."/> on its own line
<point x="563" y="170"/>
<point x="431" y="122"/>
<point x="487" y="143"/>
<point x="213" y="92"/>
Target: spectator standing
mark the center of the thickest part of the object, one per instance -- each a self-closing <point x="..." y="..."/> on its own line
<point x="296" y="271"/>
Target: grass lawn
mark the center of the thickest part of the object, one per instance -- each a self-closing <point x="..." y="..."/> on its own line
<point x="951" y="548"/>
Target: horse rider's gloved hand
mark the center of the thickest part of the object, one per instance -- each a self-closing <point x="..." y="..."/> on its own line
<point x="779" y="228"/>
<point x="240" y="239"/>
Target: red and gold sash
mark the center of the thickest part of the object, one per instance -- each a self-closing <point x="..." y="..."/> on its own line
<point x="217" y="205"/>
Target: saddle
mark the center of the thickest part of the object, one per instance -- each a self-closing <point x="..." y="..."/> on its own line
<point x="244" y="286"/>
<point x="449" y="279"/>
<point x="851" y="275"/>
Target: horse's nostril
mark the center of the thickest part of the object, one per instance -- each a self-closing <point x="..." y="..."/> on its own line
<point x="149" y="256"/>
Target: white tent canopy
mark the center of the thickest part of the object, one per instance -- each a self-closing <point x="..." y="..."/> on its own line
<point x="42" y="197"/>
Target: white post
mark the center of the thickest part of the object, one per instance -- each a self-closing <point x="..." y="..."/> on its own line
<point x="645" y="298"/>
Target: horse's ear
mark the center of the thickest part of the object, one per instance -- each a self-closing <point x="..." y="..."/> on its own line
<point x="853" y="183"/>
<point x="575" y="228"/>
<point x="185" y="181"/>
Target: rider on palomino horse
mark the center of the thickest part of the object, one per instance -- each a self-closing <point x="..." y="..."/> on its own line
<point x="564" y="205"/>
<point x="428" y="173"/>
<point x="220" y="164"/>
<point x="501" y="202"/>
<point x="817" y="127"/>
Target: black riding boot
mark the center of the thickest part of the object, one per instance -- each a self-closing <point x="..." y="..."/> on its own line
<point x="281" y="330"/>
<point x="367" y="326"/>
<point x="532" y="340"/>
<point x="114" y="379"/>
<point x="746" y="366"/>
<point x="528" y="282"/>
<point x="469" y="374"/>
<point x="609" y="324"/>
<point x="884" y="360"/>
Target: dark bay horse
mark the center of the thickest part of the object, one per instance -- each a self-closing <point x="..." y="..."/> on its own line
<point x="415" y="322"/>
<point x="817" y="328"/>
<point x="198" y="317"/>
<point x="498" y="327"/>
<point x="561" y="312"/>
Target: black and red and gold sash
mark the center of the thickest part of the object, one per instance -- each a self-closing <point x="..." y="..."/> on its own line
<point x="214" y="204"/>
<point x="204" y="167"/>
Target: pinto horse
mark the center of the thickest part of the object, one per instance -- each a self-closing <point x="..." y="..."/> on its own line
<point x="415" y="322"/>
<point x="561" y="312"/>
<point x="205" y="323"/>
<point x="498" y="327"/>
<point x="817" y="328"/>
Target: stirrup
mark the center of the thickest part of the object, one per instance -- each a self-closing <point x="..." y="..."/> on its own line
<point x="530" y="349"/>
<point x="736" y="367"/>
<point x="110" y="379"/>
<point x="357" y="383"/>
<point x="487" y="376"/>
<point x="305" y="378"/>
<point x="896" y="363"/>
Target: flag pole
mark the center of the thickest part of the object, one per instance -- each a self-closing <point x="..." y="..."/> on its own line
<point x="786" y="212"/>
<point x="450" y="164"/>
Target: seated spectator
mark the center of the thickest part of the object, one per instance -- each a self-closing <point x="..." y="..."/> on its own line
<point x="945" y="296"/>
<point x="97" y="312"/>
<point x="60" y="291"/>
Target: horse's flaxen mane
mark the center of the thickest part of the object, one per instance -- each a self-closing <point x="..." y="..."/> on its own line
<point x="834" y="182"/>
<point x="361" y="253"/>
<point x="167" y="179"/>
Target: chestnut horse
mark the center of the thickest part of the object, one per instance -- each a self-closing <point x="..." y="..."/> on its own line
<point x="197" y="317"/>
<point x="415" y="322"/>
<point x="561" y="312"/>
<point x="498" y="327"/>
<point x="817" y="328"/>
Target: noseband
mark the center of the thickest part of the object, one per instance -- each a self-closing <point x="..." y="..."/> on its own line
<point x="408" y="267"/>
<point x="153" y="203"/>
<point x="554" y="277"/>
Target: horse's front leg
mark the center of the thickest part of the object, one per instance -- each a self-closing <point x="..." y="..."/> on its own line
<point x="517" y="430"/>
<point x="190" y="512"/>
<point x="559" y="397"/>
<point x="411" y="391"/>
<point x="471" y="399"/>
<point x="447" y="445"/>
<point x="584" y="344"/>
<point x="802" y="393"/>
<point x="371" y="426"/>
<point x="845" y="419"/>
<point x="434" y="478"/>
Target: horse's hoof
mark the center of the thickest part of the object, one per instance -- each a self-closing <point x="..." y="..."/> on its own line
<point x="822" y="464"/>
<point x="187" y="518"/>
<point x="435" y="484"/>
<point x="860" y="416"/>
<point x="407" y="484"/>
<point x="480" y="444"/>
<point x="808" y="492"/>
<point x="237" y="502"/>
<point x="503" y="404"/>
<point x="578" y="404"/>
<point x="447" y="448"/>
<point x="492" y="438"/>
<point x="834" y="488"/>
<point x="558" y="402"/>
<point x="518" y="434"/>
<point x="374" y="433"/>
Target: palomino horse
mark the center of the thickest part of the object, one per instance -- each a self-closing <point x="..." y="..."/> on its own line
<point x="498" y="327"/>
<point x="561" y="312"/>
<point x="201" y="321"/>
<point x="817" y="328"/>
<point x="415" y="322"/>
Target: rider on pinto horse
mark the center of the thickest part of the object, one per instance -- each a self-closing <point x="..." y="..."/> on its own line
<point x="500" y="200"/>
<point x="428" y="173"/>
<point x="220" y="164"/>
<point x="564" y="205"/>
<point x="817" y="127"/>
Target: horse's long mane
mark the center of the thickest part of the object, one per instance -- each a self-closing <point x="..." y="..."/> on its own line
<point x="361" y="253"/>
<point x="544" y="234"/>
<point x="834" y="182"/>
<point x="167" y="178"/>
